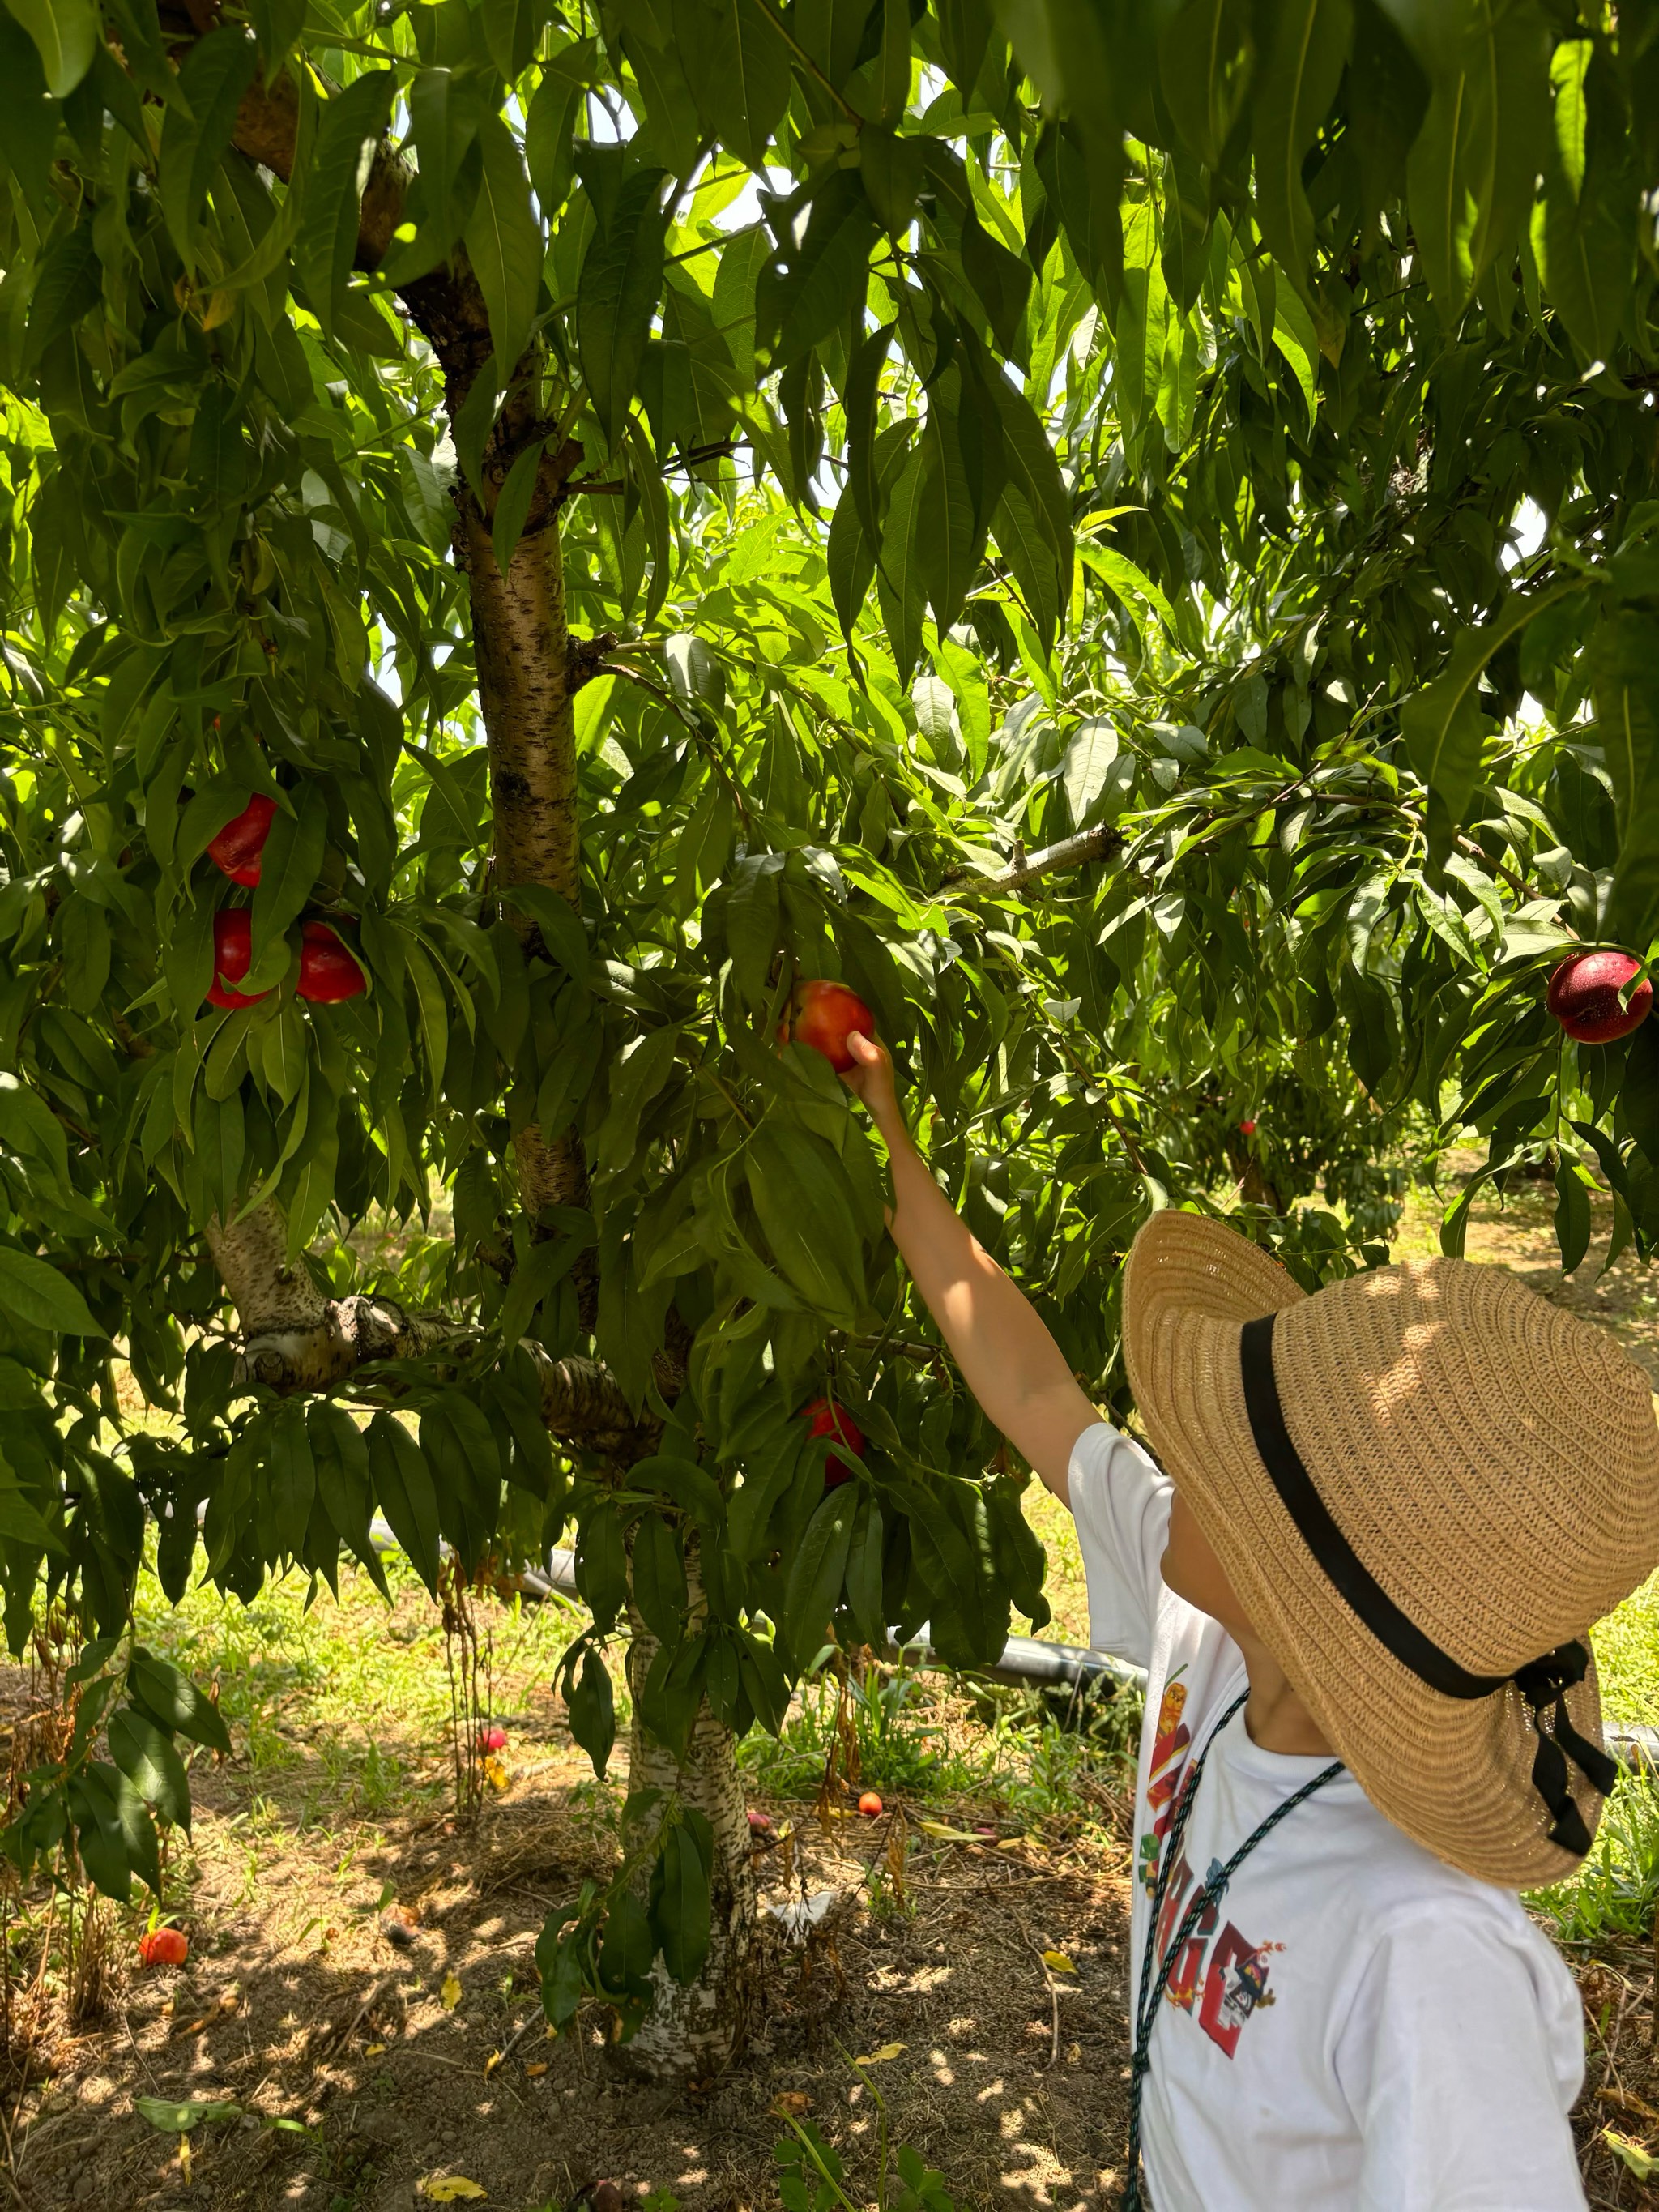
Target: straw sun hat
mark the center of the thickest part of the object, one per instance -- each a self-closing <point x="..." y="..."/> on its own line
<point x="1423" y="1483"/>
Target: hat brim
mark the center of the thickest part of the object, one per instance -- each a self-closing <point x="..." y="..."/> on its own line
<point x="1454" y="1774"/>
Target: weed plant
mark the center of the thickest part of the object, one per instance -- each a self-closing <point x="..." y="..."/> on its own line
<point x="1616" y="1892"/>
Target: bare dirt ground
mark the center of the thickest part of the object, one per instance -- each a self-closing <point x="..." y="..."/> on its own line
<point x="361" y="2071"/>
<point x="295" y="2006"/>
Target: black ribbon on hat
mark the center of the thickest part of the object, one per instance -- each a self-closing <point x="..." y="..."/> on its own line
<point x="1542" y="1682"/>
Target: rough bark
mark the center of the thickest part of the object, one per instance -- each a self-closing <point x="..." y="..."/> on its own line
<point x="692" y="2031"/>
<point x="268" y="1294"/>
<point x="294" y="1339"/>
<point x="1097" y="844"/>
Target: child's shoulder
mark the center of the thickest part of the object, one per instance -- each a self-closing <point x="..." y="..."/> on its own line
<point x="1400" y="1897"/>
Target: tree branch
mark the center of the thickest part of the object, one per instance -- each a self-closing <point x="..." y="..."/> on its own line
<point x="1097" y="844"/>
<point x="296" y="1340"/>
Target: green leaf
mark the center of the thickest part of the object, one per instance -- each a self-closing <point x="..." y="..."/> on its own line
<point x="172" y="1699"/>
<point x="65" y="33"/>
<point x="146" y="1755"/>
<point x="1624" y="659"/>
<point x="602" y="1563"/>
<point x="659" y="1579"/>
<point x="680" y="1896"/>
<point x="39" y="1295"/>
<point x="214" y="74"/>
<point x="807" y="1209"/>
<point x="617" y="297"/>
<point x="504" y="243"/>
<point x="1581" y="233"/>
<point x="291" y="1473"/>
<point x="816" y="1572"/>
<point x="339" y="1452"/>
<point x="289" y="868"/>
<point x="591" y="1707"/>
<point x="1442" y="725"/>
<point x="1289" y="101"/>
<point x="900" y="566"/>
<point x="1472" y="169"/>
<point x="945" y="518"/>
<point x="810" y="288"/>
<point x="1573" y="1212"/>
<point x="177" y="2118"/>
<point x="513" y="505"/>
<point x="326" y="243"/>
<point x="444" y="110"/>
<point x="403" y="1484"/>
<point x="737" y="65"/>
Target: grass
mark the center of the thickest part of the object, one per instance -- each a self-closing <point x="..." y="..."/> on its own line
<point x="344" y="1705"/>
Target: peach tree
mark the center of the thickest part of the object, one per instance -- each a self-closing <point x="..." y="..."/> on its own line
<point x="1129" y="534"/>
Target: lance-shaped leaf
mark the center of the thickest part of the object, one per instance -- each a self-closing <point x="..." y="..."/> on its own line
<point x="617" y="297"/>
<point x="504" y="243"/>
<point x="1625" y="674"/>
<point x="214" y="74"/>
<point x="1294" y="86"/>
<point x="65" y="33"/>
<point x="353" y="121"/>
<point x="1442" y="724"/>
<point x="736" y="64"/>
<point x="1473" y="167"/>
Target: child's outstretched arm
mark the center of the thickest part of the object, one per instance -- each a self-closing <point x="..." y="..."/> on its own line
<point x="1010" y="1363"/>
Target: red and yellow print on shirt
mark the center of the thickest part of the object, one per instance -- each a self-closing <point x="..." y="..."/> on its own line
<point x="1222" y="1981"/>
<point x="1171" y="1741"/>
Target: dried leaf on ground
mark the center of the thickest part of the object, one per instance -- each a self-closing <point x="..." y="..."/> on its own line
<point x="449" y="2189"/>
<point x="449" y="1995"/>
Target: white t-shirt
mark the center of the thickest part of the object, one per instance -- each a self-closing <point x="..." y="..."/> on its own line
<point x="1365" y="2030"/>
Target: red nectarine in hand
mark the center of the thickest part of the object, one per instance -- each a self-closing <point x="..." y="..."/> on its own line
<point x="824" y="1014"/>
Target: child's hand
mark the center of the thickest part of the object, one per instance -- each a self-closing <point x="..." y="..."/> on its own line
<point x="872" y="1077"/>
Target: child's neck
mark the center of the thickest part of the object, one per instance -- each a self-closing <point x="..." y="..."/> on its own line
<point x="1274" y="1715"/>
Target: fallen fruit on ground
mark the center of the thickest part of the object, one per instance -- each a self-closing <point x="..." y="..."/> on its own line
<point x="760" y="1824"/>
<point x="492" y="1739"/>
<point x="327" y="972"/>
<point x="870" y="1805"/>
<point x="1584" y="997"/>
<point x="164" y="1946"/>
<point x="825" y="1015"/>
<point x="238" y="848"/>
<point x="232" y="956"/>
<point x="835" y="1421"/>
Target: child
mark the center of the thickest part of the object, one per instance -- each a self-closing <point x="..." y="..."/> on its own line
<point x="1360" y="1573"/>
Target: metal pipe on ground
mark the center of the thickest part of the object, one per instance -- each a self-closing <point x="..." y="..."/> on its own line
<point x="1026" y="1661"/>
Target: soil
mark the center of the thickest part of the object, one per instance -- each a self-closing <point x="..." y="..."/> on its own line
<point x="294" y="2005"/>
<point x="297" y="2007"/>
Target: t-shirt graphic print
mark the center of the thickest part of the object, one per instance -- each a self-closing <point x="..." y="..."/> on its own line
<point x="1354" y="2028"/>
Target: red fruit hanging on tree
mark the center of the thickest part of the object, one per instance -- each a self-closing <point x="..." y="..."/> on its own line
<point x="327" y="972"/>
<point x="825" y="1015"/>
<point x="1247" y="1128"/>
<point x="239" y="845"/>
<point x="233" y="955"/>
<point x="835" y="1421"/>
<point x="163" y="1947"/>
<point x="1584" y="996"/>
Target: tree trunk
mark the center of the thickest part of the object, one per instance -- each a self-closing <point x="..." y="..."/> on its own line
<point x="692" y="2031"/>
<point x="528" y="673"/>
